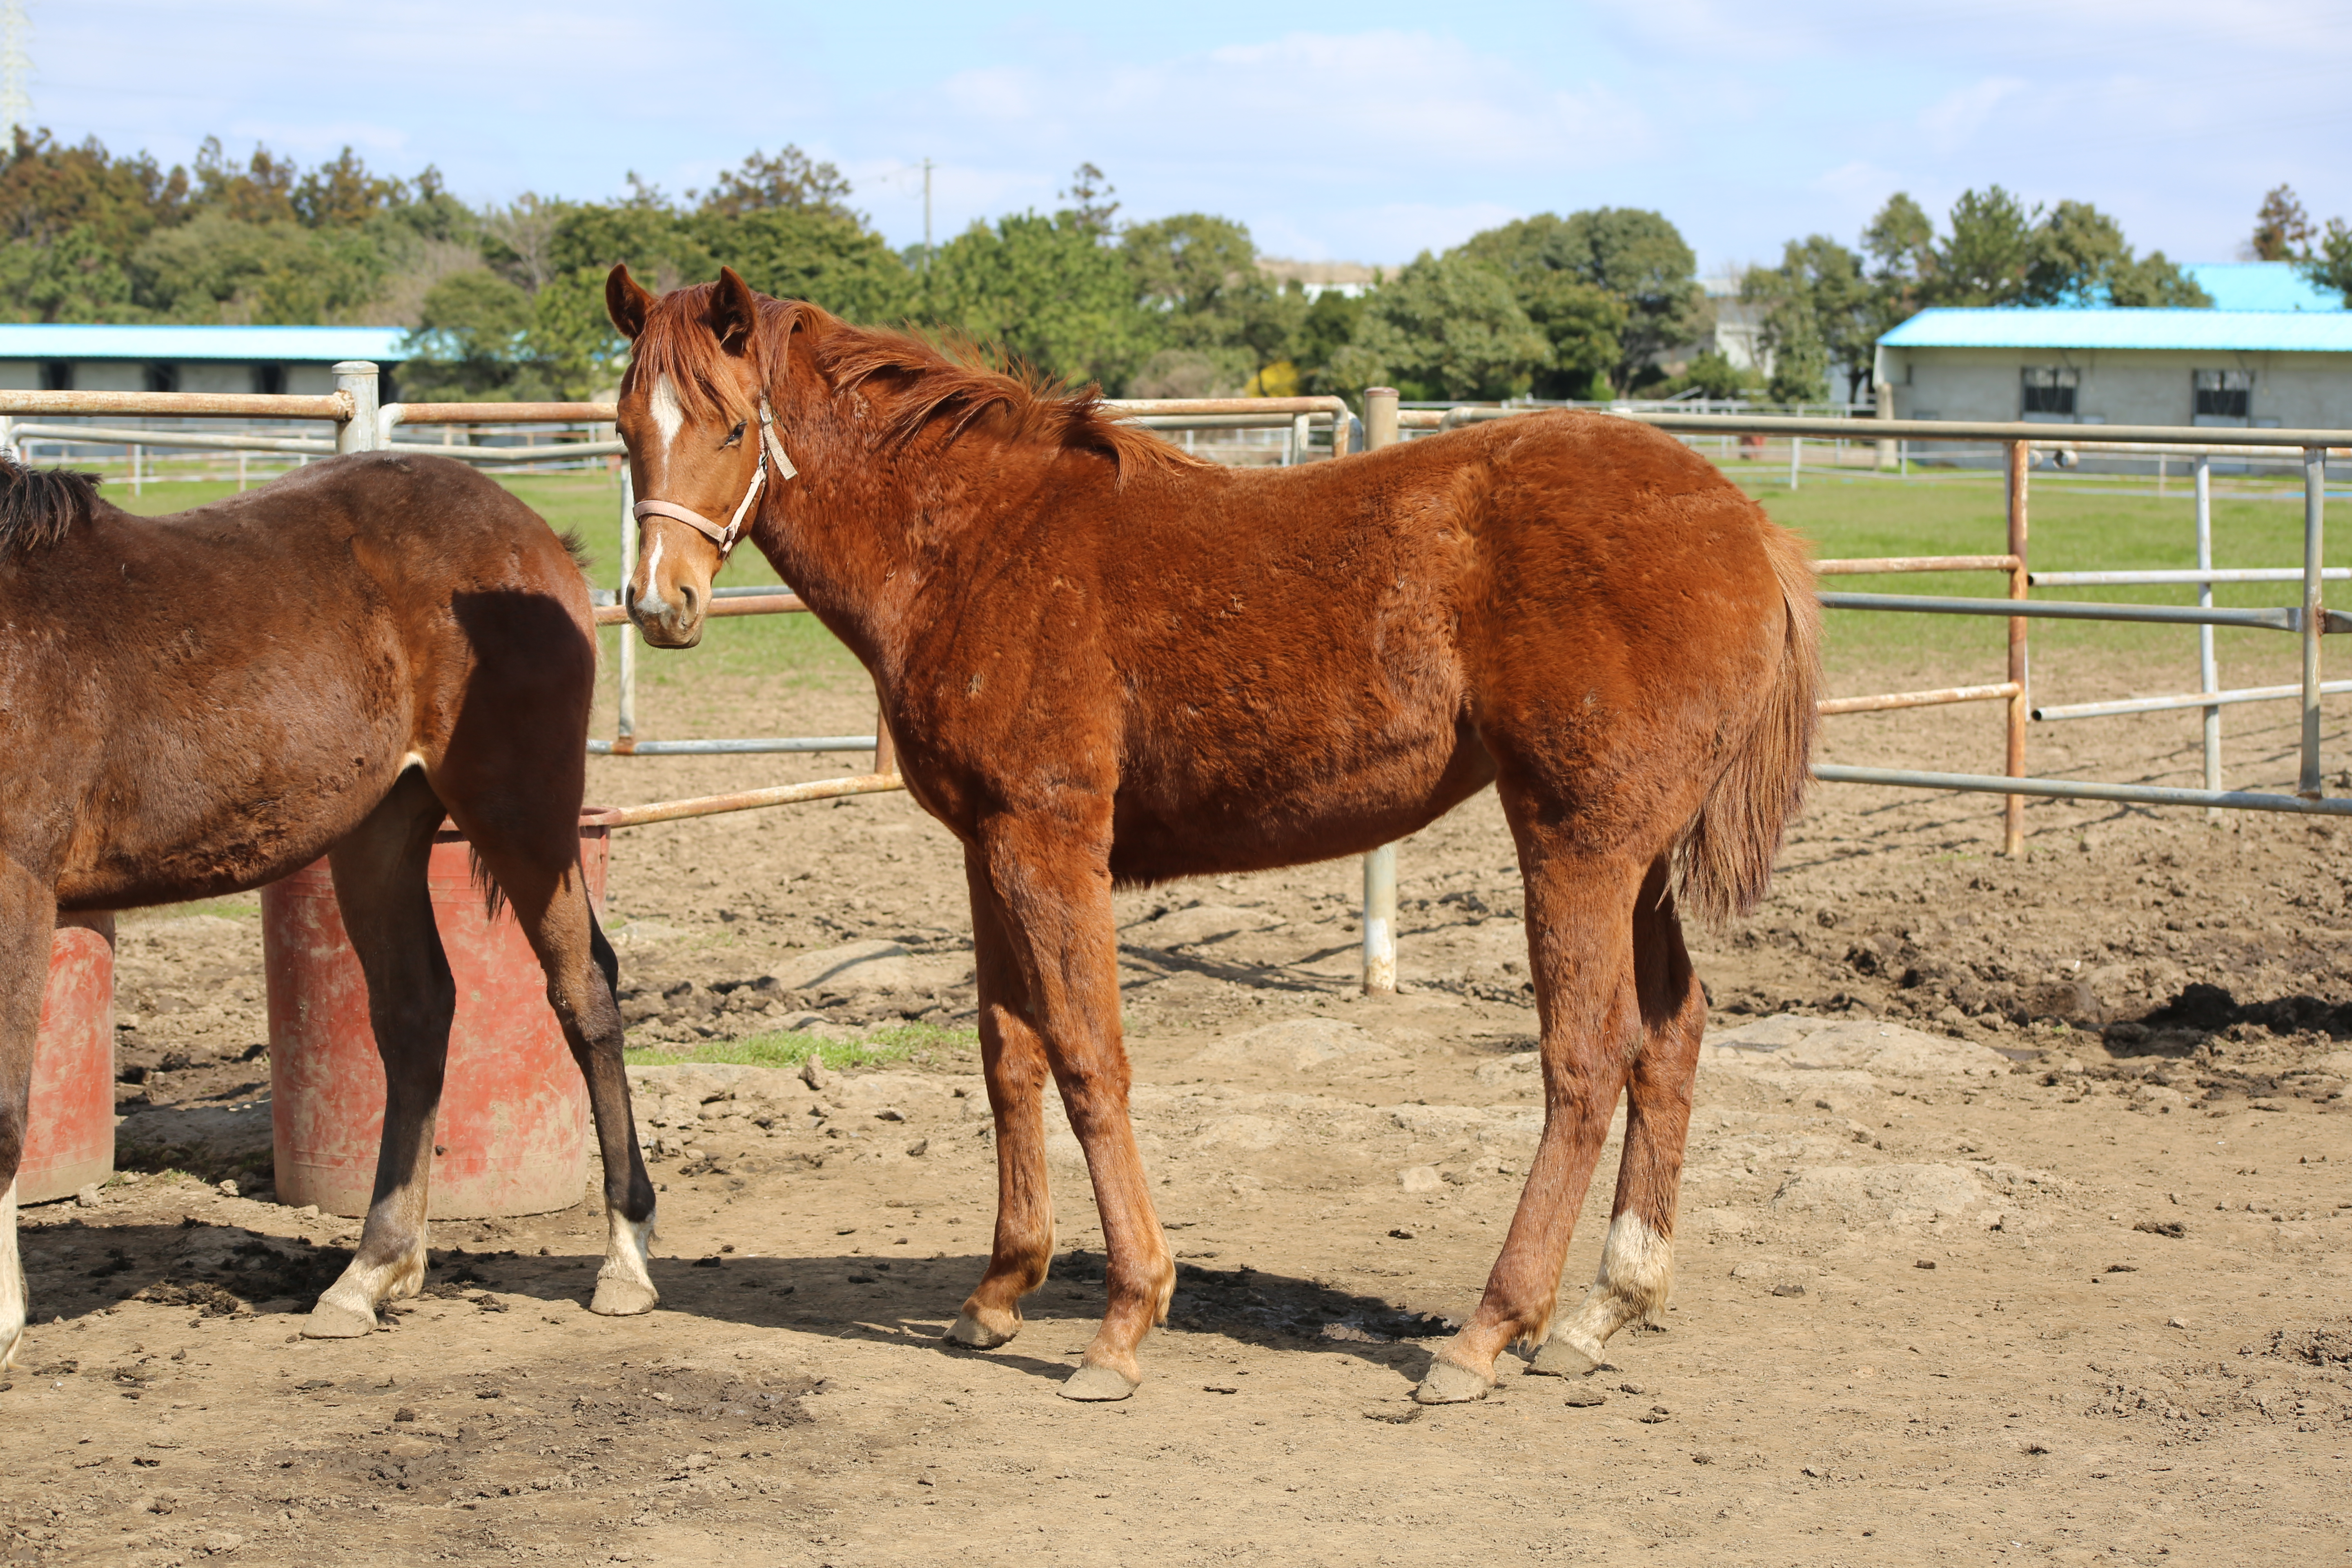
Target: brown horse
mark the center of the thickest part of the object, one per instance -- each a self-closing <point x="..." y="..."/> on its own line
<point x="1105" y="663"/>
<point x="197" y="704"/>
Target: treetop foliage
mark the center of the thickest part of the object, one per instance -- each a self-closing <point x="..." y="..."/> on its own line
<point x="506" y="302"/>
<point x="2284" y="232"/>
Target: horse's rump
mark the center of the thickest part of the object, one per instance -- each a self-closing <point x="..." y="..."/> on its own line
<point x="221" y="693"/>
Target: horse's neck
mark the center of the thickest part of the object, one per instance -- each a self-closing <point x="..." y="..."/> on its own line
<point x="864" y="551"/>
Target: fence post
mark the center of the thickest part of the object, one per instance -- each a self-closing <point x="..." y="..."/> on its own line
<point x="1380" y="866"/>
<point x="2021" y="705"/>
<point x="1885" y="394"/>
<point x="357" y="434"/>
<point x="1796" y="458"/>
<point x="2314" y="490"/>
<point x="885" y="750"/>
<point x="2208" y="669"/>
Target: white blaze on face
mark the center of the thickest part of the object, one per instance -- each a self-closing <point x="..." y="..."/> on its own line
<point x="670" y="414"/>
<point x="649" y="597"/>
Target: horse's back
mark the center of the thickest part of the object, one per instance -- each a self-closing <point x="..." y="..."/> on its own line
<point x="1335" y="653"/>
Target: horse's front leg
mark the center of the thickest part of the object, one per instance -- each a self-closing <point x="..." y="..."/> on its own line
<point x="1014" y="1060"/>
<point x="1052" y="886"/>
<point x="27" y="917"/>
<point x="388" y="914"/>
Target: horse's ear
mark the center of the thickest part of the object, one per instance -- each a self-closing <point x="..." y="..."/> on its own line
<point x="626" y="300"/>
<point x="733" y="311"/>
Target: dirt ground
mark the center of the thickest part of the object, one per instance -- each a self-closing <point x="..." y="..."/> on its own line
<point x="2014" y="1228"/>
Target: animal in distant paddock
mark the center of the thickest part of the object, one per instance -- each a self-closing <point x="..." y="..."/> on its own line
<point x="196" y="704"/>
<point x="1106" y="663"/>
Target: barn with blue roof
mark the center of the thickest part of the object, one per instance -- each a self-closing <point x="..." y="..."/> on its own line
<point x="77" y="357"/>
<point x="2222" y="368"/>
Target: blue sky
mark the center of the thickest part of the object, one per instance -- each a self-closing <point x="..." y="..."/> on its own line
<point x="1366" y="132"/>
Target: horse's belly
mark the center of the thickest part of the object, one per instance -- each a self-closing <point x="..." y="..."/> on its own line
<point x="1285" y="808"/>
<point x="217" y="816"/>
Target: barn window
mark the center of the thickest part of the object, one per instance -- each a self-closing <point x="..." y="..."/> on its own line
<point x="56" y="375"/>
<point x="163" y="378"/>
<point x="2049" y="389"/>
<point x="2223" y="393"/>
<point x="269" y="380"/>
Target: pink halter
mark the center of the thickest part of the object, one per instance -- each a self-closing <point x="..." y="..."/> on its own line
<point x="725" y="538"/>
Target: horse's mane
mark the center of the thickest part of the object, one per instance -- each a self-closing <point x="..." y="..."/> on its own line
<point x="41" y="506"/>
<point x="917" y="383"/>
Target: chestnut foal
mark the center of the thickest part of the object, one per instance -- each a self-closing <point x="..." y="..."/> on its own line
<point x="1105" y="663"/>
<point x="197" y="704"/>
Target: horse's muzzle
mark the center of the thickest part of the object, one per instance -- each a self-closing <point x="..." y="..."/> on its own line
<point x="672" y="620"/>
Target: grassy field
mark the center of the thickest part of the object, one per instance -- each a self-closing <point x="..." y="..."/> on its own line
<point x="2078" y="523"/>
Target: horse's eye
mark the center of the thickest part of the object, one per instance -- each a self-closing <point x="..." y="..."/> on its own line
<point x="735" y="435"/>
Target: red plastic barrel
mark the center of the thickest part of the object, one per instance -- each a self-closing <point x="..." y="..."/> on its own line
<point x="69" y="1140"/>
<point x="513" y="1131"/>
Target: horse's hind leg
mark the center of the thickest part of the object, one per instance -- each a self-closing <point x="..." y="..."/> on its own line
<point x="1580" y="907"/>
<point x="379" y="871"/>
<point x="1637" y="1261"/>
<point x="27" y="915"/>
<point x="1014" y="1060"/>
<point x="534" y="851"/>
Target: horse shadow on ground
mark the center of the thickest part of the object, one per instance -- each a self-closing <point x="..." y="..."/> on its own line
<point x="82" y="1267"/>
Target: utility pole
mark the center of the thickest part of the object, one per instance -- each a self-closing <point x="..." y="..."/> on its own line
<point x="15" y="68"/>
<point x="927" y="199"/>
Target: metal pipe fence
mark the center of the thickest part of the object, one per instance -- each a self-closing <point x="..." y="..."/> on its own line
<point x="359" y="426"/>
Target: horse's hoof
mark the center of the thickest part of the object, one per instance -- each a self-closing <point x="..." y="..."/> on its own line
<point x="972" y="1335"/>
<point x="334" y="1320"/>
<point x="1559" y="1358"/>
<point x="1096" y="1385"/>
<point x="1447" y="1382"/>
<point x="618" y="1298"/>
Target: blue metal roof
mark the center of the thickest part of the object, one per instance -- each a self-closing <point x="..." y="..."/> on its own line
<point x="2215" y="331"/>
<point x="320" y="345"/>
<point x="2261" y="285"/>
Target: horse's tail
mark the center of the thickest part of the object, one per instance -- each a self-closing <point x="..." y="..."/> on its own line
<point x="1726" y="863"/>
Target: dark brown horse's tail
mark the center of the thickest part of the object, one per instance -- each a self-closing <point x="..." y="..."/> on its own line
<point x="1726" y="864"/>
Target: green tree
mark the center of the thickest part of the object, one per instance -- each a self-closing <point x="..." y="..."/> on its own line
<point x="813" y="253"/>
<point x="472" y="341"/>
<point x="791" y="179"/>
<point x="1555" y="282"/>
<point x="1712" y="376"/>
<point x="1632" y="254"/>
<point x="216" y="268"/>
<point x="2282" y="228"/>
<point x="1329" y="326"/>
<point x="1444" y="328"/>
<point x="2330" y="265"/>
<point x="344" y="194"/>
<point x="69" y="277"/>
<point x="1193" y="272"/>
<point x="1817" y="309"/>
<point x="1640" y="258"/>
<point x="1048" y="291"/>
<point x="2154" y="279"/>
<point x="1988" y="255"/>
<point x="2082" y="258"/>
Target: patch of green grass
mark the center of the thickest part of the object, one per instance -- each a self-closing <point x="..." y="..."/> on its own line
<point x="2076" y="524"/>
<point x="791" y="1048"/>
